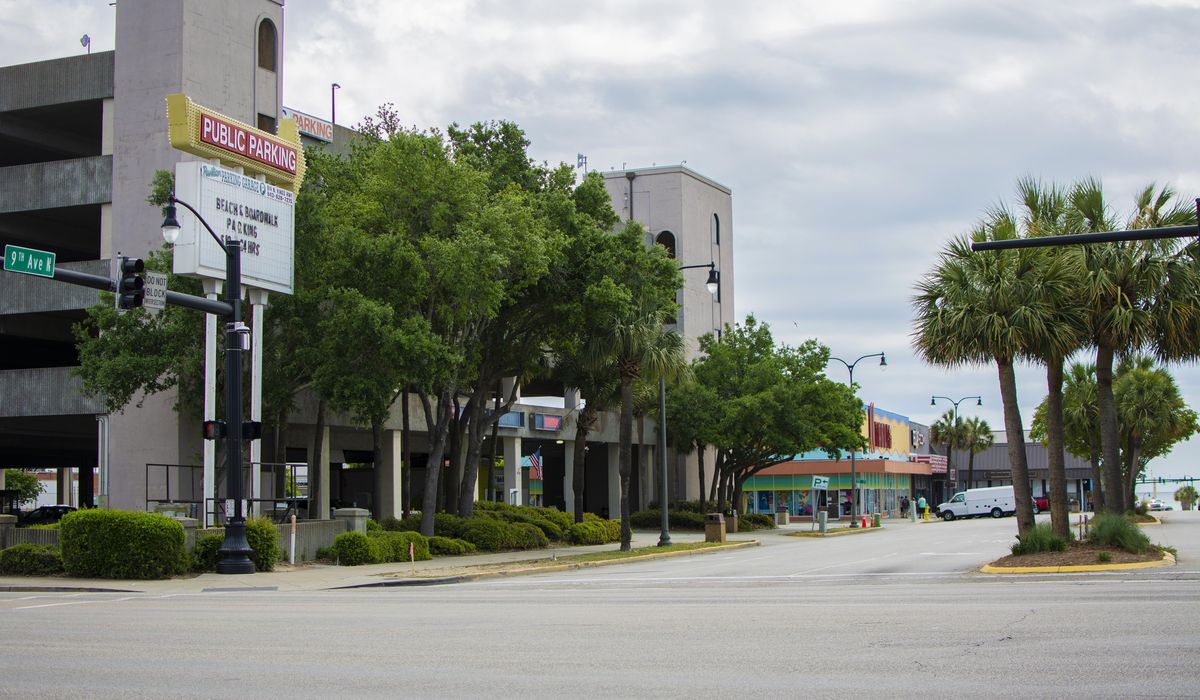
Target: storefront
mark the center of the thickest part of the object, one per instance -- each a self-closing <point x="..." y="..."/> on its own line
<point x="879" y="491"/>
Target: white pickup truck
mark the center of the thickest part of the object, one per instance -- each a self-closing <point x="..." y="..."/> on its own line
<point x="995" y="501"/>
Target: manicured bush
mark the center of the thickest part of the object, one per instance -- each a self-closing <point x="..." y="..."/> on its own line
<point x="1112" y="530"/>
<point x="527" y="536"/>
<point x="443" y="546"/>
<point x="393" y="546"/>
<point x="587" y="532"/>
<point x="103" y="543"/>
<point x="31" y="560"/>
<point x="411" y="523"/>
<point x="488" y="534"/>
<point x="373" y="525"/>
<point x="205" y="554"/>
<point x="263" y="538"/>
<point x="754" y="521"/>
<point x="538" y="515"/>
<point x="1040" y="539"/>
<point x="325" y="554"/>
<point x="678" y="520"/>
<point x="355" y="548"/>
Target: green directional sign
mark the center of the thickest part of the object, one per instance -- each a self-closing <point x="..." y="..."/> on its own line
<point x="28" y="261"/>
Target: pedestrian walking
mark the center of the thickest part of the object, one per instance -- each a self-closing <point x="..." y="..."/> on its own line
<point x="904" y="506"/>
<point x="921" y="506"/>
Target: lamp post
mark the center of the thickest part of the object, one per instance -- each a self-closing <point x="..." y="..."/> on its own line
<point x="235" y="551"/>
<point x="664" y="538"/>
<point x="853" y="450"/>
<point x="954" y="426"/>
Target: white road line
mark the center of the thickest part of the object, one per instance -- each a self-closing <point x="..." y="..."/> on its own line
<point x="950" y="554"/>
<point x="55" y="605"/>
<point x="845" y="563"/>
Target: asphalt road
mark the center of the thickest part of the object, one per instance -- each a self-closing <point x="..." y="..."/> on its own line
<point x="897" y="613"/>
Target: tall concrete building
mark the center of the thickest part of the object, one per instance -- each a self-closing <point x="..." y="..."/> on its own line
<point x="692" y="217"/>
<point x="80" y="141"/>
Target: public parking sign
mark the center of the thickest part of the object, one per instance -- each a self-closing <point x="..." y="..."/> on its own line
<point x="820" y="483"/>
<point x="28" y="261"/>
<point x="155" y="289"/>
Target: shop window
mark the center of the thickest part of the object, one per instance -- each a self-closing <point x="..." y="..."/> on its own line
<point x="268" y="45"/>
<point x="716" y="230"/>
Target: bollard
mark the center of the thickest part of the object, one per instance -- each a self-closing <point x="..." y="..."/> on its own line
<point x="822" y="521"/>
<point x="912" y="514"/>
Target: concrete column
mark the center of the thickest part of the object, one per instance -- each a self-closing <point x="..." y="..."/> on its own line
<point x="212" y="290"/>
<point x="512" y="471"/>
<point x="387" y="476"/>
<point x="258" y="302"/>
<point x="320" y="465"/>
<point x="614" y="481"/>
<point x="571" y="403"/>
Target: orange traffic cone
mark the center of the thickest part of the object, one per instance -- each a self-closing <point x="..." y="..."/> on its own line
<point x="864" y="522"/>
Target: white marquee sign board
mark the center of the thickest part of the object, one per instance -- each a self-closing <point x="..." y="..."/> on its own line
<point x="258" y="214"/>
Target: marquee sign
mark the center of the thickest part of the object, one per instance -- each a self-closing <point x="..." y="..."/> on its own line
<point x="203" y="132"/>
<point x="256" y="214"/>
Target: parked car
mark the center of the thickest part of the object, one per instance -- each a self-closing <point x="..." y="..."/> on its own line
<point x="44" y="515"/>
<point x="1157" y="504"/>
<point x="1040" y="503"/>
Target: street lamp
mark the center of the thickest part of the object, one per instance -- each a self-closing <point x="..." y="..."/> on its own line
<point x="664" y="538"/>
<point x="333" y="88"/>
<point x="953" y="426"/>
<point x="853" y="450"/>
<point x="235" y="551"/>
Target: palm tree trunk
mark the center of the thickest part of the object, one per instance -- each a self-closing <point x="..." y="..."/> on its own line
<point x="624" y="453"/>
<point x="1110" y="437"/>
<point x="583" y="425"/>
<point x="1097" y="491"/>
<point x="1129" y="484"/>
<point x="1017" y="461"/>
<point x="314" y="468"/>
<point x="1055" y="445"/>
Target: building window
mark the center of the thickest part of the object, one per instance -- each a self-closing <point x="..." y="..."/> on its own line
<point x="267" y="45"/>
<point x="266" y="123"/>
<point x="666" y="239"/>
<point x="716" y="230"/>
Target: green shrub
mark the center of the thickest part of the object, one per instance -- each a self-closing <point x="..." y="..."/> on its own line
<point x="587" y="532"/>
<point x="449" y="546"/>
<point x="325" y="554"/>
<point x="263" y="538"/>
<point x="446" y="525"/>
<point x="1142" y="508"/>
<point x="1112" y="530"/>
<point x="393" y="546"/>
<point x="488" y="534"/>
<point x="678" y="520"/>
<point x="373" y="525"/>
<point x="1103" y="557"/>
<point x="31" y="560"/>
<point x="755" y="521"/>
<point x="205" y="555"/>
<point x="1040" y="539"/>
<point x="355" y="548"/>
<point x="103" y="543"/>
<point x="527" y="536"/>
<point x="44" y="526"/>
<point x="538" y="515"/>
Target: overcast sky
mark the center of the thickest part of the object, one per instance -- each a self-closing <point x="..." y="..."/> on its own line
<point x="857" y="137"/>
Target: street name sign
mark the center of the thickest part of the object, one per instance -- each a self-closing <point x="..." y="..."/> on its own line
<point x="28" y="261"/>
<point x="155" y="290"/>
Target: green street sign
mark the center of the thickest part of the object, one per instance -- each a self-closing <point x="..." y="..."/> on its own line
<point x="28" y="261"/>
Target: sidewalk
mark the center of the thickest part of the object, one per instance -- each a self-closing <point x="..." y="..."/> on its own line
<point x="319" y="577"/>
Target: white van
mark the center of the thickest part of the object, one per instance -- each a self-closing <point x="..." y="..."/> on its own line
<point x="996" y="501"/>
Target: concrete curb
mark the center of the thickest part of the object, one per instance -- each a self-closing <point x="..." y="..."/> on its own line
<point x="1167" y="560"/>
<point x="840" y="532"/>
<point x="527" y="570"/>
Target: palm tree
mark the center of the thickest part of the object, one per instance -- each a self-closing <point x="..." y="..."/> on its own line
<point x="1081" y="422"/>
<point x="1186" y="496"/>
<point x="976" y="437"/>
<point x="975" y="308"/>
<point x="947" y="431"/>
<point x="1139" y="294"/>
<point x="638" y="345"/>
<point x="1152" y="413"/>
<point x="599" y="390"/>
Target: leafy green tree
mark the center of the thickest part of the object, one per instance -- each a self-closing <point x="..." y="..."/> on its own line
<point x="771" y="403"/>
<point x="1152" y="413"/>
<point x="27" y="485"/>
<point x="1081" y="423"/>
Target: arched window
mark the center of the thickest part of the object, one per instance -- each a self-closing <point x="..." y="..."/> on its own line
<point x="666" y="239"/>
<point x="716" y="230"/>
<point x="268" y="43"/>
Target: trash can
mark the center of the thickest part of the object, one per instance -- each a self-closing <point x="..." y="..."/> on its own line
<point x="781" y="516"/>
<point x="731" y="522"/>
<point x="875" y="520"/>
<point x="714" y="527"/>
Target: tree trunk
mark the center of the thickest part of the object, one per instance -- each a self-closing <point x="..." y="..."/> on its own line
<point x="1129" y="483"/>
<point x="380" y="482"/>
<point x="583" y="425"/>
<point x="624" y="451"/>
<point x="314" y="470"/>
<point x="716" y="480"/>
<point x="405" y="436"/>
<point x="1056" y="449"/>
<point x="700" y="468"/>
<point x="470" y="473"/>
<point x="1110" y="437"/>
<point x="454" y="474"/>
<point x="1017" y="461"/>
<point x="437" y="448"/>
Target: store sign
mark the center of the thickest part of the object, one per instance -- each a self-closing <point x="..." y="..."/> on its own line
<point x="257" y="214"/>
<point x="309" y="125"/>
<point x="209" y="134"/>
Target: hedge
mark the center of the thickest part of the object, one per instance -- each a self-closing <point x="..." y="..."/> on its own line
<point x="31" y="560"/>
<point x="394" y="545"/>
<point x="263" y="537"/>
<point x="354" y="548"/>
<point x="204" y="554"/>
<point x="679" y="520"/>
<point x="755" y="521"/>
<point x="450" y="546"/>
<point x="595" y="531"/>
<point x="103" y="543"/>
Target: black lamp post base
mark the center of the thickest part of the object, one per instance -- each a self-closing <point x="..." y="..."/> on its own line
<point x="235" y="552"/>
<point x="664" y="540"/>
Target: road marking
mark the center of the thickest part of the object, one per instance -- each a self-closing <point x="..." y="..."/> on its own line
<point x="847" y="563"/>
<point x="950" y="554"/>
<point x="54" y="605"/>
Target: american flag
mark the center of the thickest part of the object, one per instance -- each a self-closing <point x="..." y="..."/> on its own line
<point x="535" y="465"/>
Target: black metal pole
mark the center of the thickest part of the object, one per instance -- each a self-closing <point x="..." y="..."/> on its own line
<point x="854" y="464"/>
<point x="664" y="537"/>
<point x="235" y="552"/>
<point x="1141" y="234"/>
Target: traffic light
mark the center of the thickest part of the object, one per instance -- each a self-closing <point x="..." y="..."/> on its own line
<point x="130" y="292"/>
